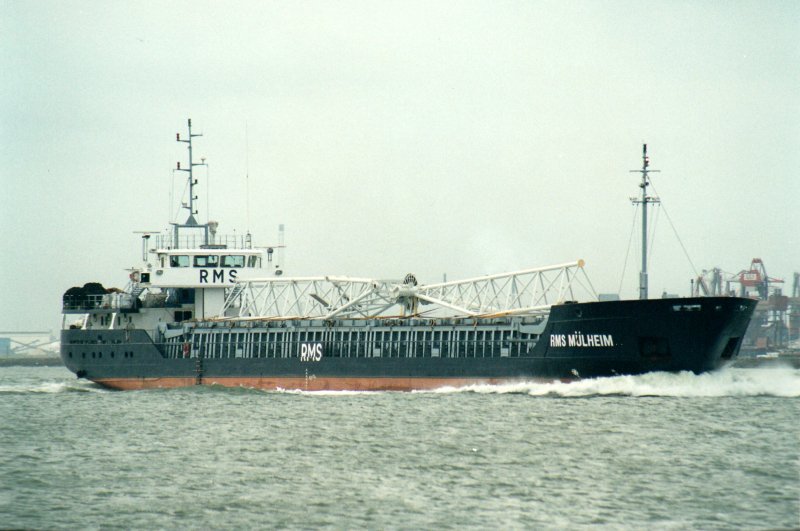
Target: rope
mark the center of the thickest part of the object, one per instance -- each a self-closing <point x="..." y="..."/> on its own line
<point x="247" y="173"/>
<point x="628" y="251"/>
<point x="685" y="253"/>
<point x="170" y="216"/>
<point x="589" y="280"/>
<point x="653" y="233"/>
<point x="208" y="193"/>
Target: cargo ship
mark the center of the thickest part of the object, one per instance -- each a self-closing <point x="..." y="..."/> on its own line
<point x="211" y="309"/>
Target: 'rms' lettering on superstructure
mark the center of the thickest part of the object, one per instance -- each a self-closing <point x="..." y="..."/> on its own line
<point x="580" y="340"/>
<point x="217" y="276"/>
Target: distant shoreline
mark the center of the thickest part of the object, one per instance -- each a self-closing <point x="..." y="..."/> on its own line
<point x="31" y="362"/>
<point x="791" y="358"/>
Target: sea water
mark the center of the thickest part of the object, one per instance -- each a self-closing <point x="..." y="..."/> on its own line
<point x="659" y="451"/>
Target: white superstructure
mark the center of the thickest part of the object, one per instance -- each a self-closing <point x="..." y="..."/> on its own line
<point x="185" y="273"/>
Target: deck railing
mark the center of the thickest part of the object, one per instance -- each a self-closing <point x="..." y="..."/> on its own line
<point x="197" y="241"/>
<point x="110" y="301"/>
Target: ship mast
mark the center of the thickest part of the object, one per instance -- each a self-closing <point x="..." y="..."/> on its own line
<point x="191" y="222"/>
<point x="645" y="199"/>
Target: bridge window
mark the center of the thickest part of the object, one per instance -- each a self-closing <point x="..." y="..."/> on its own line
<point x="179" y="260"/>
<point x="253" y="261"/>
<point x="232" y="260"/>
<point x="206" y="261"/>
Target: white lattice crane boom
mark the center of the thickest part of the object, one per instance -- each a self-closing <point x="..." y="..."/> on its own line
<point x="526" y="292"/>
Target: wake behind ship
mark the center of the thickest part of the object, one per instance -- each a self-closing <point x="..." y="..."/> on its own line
<point x="205" y="309"/>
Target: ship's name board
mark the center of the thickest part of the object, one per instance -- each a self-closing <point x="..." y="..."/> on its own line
<point x="218" y="276"/>
<point x="581" y="340"/>
<point x="310" y="351"/>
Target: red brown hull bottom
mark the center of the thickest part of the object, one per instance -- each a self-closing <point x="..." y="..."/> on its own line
<point x="310" y="384"/>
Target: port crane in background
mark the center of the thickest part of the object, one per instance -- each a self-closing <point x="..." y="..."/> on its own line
<point x="710" y="284"/>
<point x="755" y="277"/>
<point x="794" y="311"/>
<point x="753" y="282"/>
<point x="776" y="321"/>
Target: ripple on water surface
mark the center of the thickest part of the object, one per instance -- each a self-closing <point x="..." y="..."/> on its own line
<point x="711" y="451"/>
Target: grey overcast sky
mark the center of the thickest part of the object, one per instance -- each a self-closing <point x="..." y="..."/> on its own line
<point x="392" y="137"/>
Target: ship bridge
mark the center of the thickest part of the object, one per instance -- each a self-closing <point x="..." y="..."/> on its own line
<point x="529" y="292"/>
<point x="201" y="268"/>
<point x="199" y="275"/>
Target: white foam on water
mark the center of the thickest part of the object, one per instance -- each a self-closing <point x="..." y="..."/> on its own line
<point x="52" y="387"/>
<point x="779" y="382"/>
<point x="321" y="392"/>
<point x="774" y="381"/>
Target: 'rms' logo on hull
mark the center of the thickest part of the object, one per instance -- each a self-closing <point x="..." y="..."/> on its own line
<point x="310" y="351"/>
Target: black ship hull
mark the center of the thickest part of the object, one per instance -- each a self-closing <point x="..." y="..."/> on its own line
<point x="579" y="340"/>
